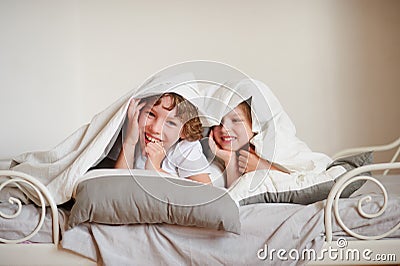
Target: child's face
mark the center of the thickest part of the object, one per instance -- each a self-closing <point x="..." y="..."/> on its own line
<point x="234" y="131"/>
<point x="158" y="124"/>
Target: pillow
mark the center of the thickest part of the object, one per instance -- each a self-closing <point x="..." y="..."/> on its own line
<point x="318" y="191"/>
<point x="148" y="198"/>
<point x="350" y="163"/>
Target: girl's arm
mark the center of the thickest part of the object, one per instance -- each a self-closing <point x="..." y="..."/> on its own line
<point x="229" y="158"/>
<point x="232" y="170"/>
<point x="249" y="161"/>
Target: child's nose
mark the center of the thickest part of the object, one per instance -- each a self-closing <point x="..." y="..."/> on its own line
<point x="156" y="126"/>
<point x="225" y="129"/>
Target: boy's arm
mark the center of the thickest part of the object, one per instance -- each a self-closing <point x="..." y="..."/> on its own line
<point x="126" y="157"/>
<point x="155" y="155"/>
<point x="127" y="154"/>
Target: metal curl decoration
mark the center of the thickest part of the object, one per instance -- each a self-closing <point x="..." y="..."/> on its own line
<point x="13" y="200"/>
<point x="367" y="198"/>
<point x="334" y="196"/>
<point x="42" y="193"/>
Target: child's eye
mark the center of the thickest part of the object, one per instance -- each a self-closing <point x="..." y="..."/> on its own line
<point x="149" y="113"/>
<point x="237" y="120"/>
<point x="171" y="123"/>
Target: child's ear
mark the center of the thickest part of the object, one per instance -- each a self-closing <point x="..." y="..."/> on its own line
<point x="181" y="135"/>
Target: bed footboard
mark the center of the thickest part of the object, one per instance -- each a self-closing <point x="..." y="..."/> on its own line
<point x="333" y="200"/>
<point x="22" y="179"/>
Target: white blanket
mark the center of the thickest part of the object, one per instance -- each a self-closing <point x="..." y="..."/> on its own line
<point x="62" y="167"/>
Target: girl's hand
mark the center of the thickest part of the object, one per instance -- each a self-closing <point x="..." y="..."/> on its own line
<point x="134" y="108"/>
<point x="225" y="155"/>
<point x="155" y="154"/>
<point x="249" y="161"/>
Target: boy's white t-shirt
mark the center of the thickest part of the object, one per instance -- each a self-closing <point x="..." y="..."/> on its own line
<point x="184" y="159"/>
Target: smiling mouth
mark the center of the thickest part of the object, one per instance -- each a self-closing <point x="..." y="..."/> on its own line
<point x="151" y="139"/>
<point x="228" y="138"/>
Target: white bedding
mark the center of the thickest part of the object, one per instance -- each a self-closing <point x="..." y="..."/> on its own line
<point x="177" y="245"/>
<point x="286" y="226"/>
<point x="61" y="168"/>
<point x="26" y="222"/>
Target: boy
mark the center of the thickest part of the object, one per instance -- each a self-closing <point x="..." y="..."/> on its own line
<point x="163" y="134"/>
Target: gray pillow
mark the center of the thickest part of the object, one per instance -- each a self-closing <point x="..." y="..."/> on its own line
<point x="125" y="199"/>
<point x="350" y="163"/>
<point x="319" y="191"/>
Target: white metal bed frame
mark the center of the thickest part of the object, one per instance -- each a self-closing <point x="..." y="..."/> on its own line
<point x="374" y="243"/>
<point x="53" y="254"/>
<point x="40" y="253"/>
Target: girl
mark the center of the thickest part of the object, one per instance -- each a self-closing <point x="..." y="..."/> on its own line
<point x="229" y="141"/>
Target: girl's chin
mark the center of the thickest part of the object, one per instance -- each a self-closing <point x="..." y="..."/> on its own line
<point x="229" y="147"/>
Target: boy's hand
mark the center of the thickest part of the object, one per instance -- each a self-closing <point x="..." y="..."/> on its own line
<point x="249" y="161"/>
<point x="155" y="154"/>
<point x="133" y="115"/>
<point x="224" y="155"/>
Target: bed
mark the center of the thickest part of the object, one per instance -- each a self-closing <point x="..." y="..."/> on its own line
<point x="330" y="231"/>
<point x="125" y="225"/>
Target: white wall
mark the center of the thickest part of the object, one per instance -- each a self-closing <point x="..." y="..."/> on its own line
<point x="334" y="65"/>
